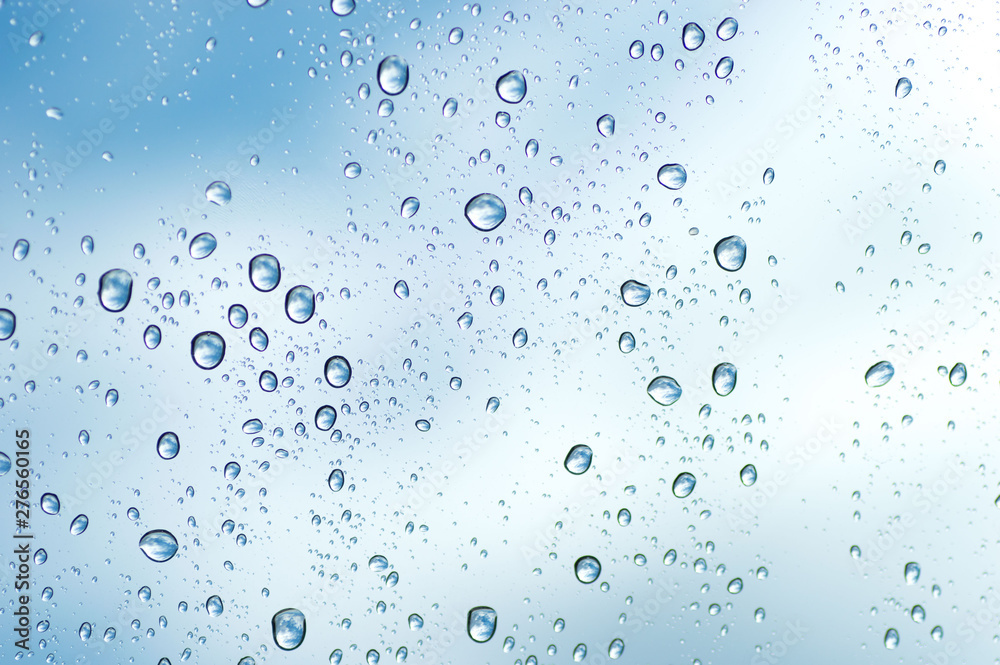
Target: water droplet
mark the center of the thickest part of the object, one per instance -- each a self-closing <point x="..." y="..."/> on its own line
<point x="21" y="248"/>
<point x="520" y="338"/>
<point x="325" y="418"/>
<point x="579" y="653"/>
<point x="300" y="303"/>
<point x="86" y="630"/>
<point x="213" y="606"/>
<point x="208" y="349"/>
<point x="481" y="623"/>
<point x="378" y="563"/>
<point x="911" y="572"/>
<point x="8" y="324"/>
<point x="616" y="648"/>
<point x="342" y="7"/>
<point x="606" y="125"/>
<point x="352" y="170"/>
<point x="664" y="390"/>
<point x="202" y="245"/>
<point x="636" y="50"/>
<point x="879" y="374"/>
<point x="937" y="633"/>
<point x="918" y="614"/>
<point x="724" y="68"/>
<point x="485" y="211"/>
<point x="232" y="471"/>
<point x="159" y="545"/>
<point x="727" y="29"/>
<point x="36" y="38"/>
<point x="288" y="627"/>
<point x="238" y="316"/>
<point x="465" y="321"/>
<point x="492" y="404"/>
<point x="683" y="485"/>
<point x="578" y="459"/>
<point x="219" y="193"/>
<point x="735" y="585"/>
<point x="511" y="87"/>
<point x="423" y="425"/>
<point x="55" y="113"/>
<point x="455" y="36"/>
<point x="768" y="175"/>
<point x="724" y="379"/>
<point x="748" y="475"/>
<point x="4" y="463"/>
<point x="692" y="36"/>
<point x="624" y="517"/>
<point x="337" y="371"/>
<point x="587" y="569"/>
<point x="903" y="87"/>
<point x="891" y="639"/>
<point x="401" y="290"/>
<point x="626" y="343"/>
<point x="672" y="176"/>
<point x="265" y="272"/>
<point x="957" y="374"/>
<point x="731" y="253"/>
<point x="758" y="615"/>
<point x="168" y="445"/>
<point x="115" y="290"/>
<point x="151" y="337"/>
<point x="634" y="293"/>
<point x="409" y="208"/>
<point x="50" y="504"/>
<point x="393" y="75"/>
<point x="336" y="480"/>
<point x="939" y="167"/>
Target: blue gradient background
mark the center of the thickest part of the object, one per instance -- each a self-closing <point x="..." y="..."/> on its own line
<point x="496" y="519"/>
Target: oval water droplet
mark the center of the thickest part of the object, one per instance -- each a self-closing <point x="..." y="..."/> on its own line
<point x="939" y="167"/>
<point x="879" y="374"/>
<point x="692" y="36"/>
<point x="342" y="7"/>
<point x="208" y="349"/>
<point x="672" y="176"/>
<point x="578" y="459"/>
<point x="587" y="569"/>
<point x="115" y="290"/>
<point x="727" y="29"/>
<point x="202" y="245"/>
<point x="151" y="337"/>
<point x="520" y="338"/>
<point x="325" y="418"/>
<point x="213" y="606"/>
<point x="485" y="211"/>
<point x="8" y="324"/>
<point x="378" y="563"/>
<point x="409" y="207"/>
<point x="232" y="471"/>
<point x="626" y="342"/>
<point x="168" y="445"/>
<point x="891" y="640"/>
<point x="731" y="253"/>
<point x="911" y="572"/>
<point x="158" y="545"/>
<point x="393" y="75"/>
<point x="401" y="290"/>
<point x="606" y="125"/>
<point x="664" y="390"/>
<point x="50" y="504"/>
<point x="300" y="304"/>
<point x="465" y="321"/>
<point x="768" y="176"/>
<point x="497" y="296"/>
<point x="238" y="316"/>
<point x="683" y="485"/>
<point x="265" y="272"/>
<point x="903" y="87"/>
<point x="957" y="374"/>
<point x="634" y="293"/>
<point x="511" y="87"/>
<point x="21" y="248"/>
<point x="219" y="193"/>
<point x="288" y="628"/>
<point x="724" y="68"/>
<point x="636" y="50"/>
<point x="616" y="648"/>
<point x="337" y="371"/>
<point x="336" y="480"/>
<point x="724" y="379"/>
<point x="748" y="475"/>
<point x="481" y="623"/>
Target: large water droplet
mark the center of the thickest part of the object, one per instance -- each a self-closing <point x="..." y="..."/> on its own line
<point x="481" y="624"/>
<point x="409" y="207"/>
<point x="151" y="337"/>
<point x="300" y="303"/>
<point x="683" y="485"/>
<point x="401" y="290"/>
<point x="393" y="75"/>
<point x="616" y="648"/>
<point x="731" y="253"/>
<point x="724" y="68"/>
<point x="727" y="29"/>
<point x="672" y="176"/>
<point x="520" y="338"/>
<point x="208" y="349"/>
<point x="50" y="503"/>
<point x="903" y="87"/>
<point x="634" y="293"/>
<point x="265" y="272"/>
<point x="21" y="248"/>
<point x="879" y="374"/>
<point x="202" y="245"/>
<point x="336" y="480"/>
<point x="288" y="627"/>
<point x="957" y="374"/>
<point x="911" y="572"/>
<point x="159" y="545"/>
<point x="496" y="296"/>
<point x="578" y="459"/>
<point x="891" y="640"/>
<point x="724" y="379"/>
<point x="664" y="390"/>
<point x="511" y="87"/>
<point x="115" y="290"/>
<point x="939" y="167"/>
<point x="587" y="569"/>
<point x="636" y="50"/>
<point x="692" y="36"/>
<point x="342" y="7"/>
<point x="485" y="211"/>
<point x="213" y="606"/>
<point x="626" y="342"/>
<point x="337" y="371"/>
<point x="8" y="324"/>
<point x="606" y="125"/>
<point x="326" y="417"/>
<point x="219" y="193"/>
<point x="238" y="316"/>
<point x="168" y="445"/>
<point x="748" y="475"/>
<point x="231" y="471"/>
<point x="465" y="321"/>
